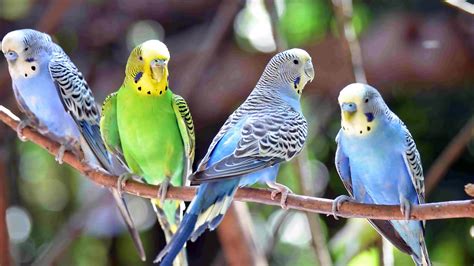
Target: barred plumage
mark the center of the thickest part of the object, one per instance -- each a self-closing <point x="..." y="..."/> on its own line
<point x="267" y="109"/>
<point x="267" y="129"/>
<point x="73" y="87"/>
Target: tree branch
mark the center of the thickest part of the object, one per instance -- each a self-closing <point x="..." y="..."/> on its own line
<point x="430" y="211"/>
<point x="449" y="155"/>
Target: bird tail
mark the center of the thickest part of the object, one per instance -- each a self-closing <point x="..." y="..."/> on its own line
<point x="170" y="215"/>
<point x="424" y="260"/>
<point x="112" y="165"/>
<point x="206" y="211"/>
<point x="121" y="205"/>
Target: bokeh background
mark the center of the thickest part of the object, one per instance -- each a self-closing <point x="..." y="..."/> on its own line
<point x="419" y="54"/>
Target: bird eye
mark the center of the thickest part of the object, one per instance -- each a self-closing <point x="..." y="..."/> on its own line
<point x="295" y="62"/>
<point x="366" y="100"/>
<point x="26" y="49"/>
<point x="140" y="58"/>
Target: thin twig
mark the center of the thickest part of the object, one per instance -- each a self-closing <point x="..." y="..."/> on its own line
<point x="449" y="155"/>
<point x="68" y="233"/>
<point x="344" y="14"/>
<point x="217" y="30"/>
<point x="317" y="234"/>
<point x="430" y="211"/>
<point x="237" y="226"/>
<point x="279" y="222"/>
<point x="54" y="14"/>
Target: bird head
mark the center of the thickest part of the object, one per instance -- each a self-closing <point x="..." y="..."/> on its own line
<point x="24" y="44"/>
<point x="361" y="106"/>
<point x="147" y="68"/>
<point x="293" y="68"/>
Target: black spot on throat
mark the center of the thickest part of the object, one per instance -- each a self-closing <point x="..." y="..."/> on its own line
<point x="26" y="75"/>
<point x="139" y="88"/>
<point x="148" y="92"/>
<point x="368" y="128"/>
<point x="33" y="68"/>
<point x="360" y="132"/>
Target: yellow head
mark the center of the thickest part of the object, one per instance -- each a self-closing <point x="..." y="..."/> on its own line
<point x="147" y="68"/>
<point x="361" y="109"/>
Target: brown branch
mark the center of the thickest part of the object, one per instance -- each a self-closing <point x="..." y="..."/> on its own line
<point x="430" y="211"/>
<point x="449" y="155"/>
<point x="235" y="233"/>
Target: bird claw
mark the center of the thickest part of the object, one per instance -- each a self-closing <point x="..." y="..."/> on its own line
<point x="280" y="189"/>
<point x="59" y="156"/>
<point x="163" y="189"/>
<point x="336" y="205"/>
<point x="121" y="181"/>
<point x="19" y="129"/>
<point x="405" y="208"/>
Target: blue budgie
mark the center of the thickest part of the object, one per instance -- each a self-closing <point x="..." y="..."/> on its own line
<point x="266" y="130"/>
<point x="378" y="163"/>
<point x="45" y="82"/>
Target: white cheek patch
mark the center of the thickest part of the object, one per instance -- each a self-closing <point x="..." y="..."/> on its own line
<point x="25" y="69"/>
<point x="358" y="126"/>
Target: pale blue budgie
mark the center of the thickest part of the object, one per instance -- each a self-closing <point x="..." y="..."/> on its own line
<point x="266" y="130"/>
<point x="378" y="163"/>
<point x="45" y="82"/>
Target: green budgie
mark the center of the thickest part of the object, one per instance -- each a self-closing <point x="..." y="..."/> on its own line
<point x="151" y="129"/>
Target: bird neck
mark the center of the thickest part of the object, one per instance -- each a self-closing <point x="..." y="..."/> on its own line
<point x="291" y="97"/>
<point x="148" y="86"/>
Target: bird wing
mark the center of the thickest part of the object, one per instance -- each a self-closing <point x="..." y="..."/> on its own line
<point x="78" y="101"/>
<point x="384" y="228"/>
<point x="186" y="128"/>
<point x="343" y="166"/>
<point x="413" y="163"/>
<point x="265" y="140"/>
<point x="109" y="127"/>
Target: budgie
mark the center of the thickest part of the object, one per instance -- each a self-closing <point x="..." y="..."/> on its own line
<point x="266" y="130"/>
<point x="57" y="101"/>
<point x="379" y="163"/>
<point x="152" y="129"/>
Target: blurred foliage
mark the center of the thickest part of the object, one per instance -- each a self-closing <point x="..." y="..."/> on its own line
<point x="47" y="194"/>
<point x="298" y="25"/>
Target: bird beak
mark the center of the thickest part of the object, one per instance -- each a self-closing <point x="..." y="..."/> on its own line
<point x="309" y="70"/>
<point x="11" y="55"/>
<point x="158" y="68"/>
<point x="349" y="107"/>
